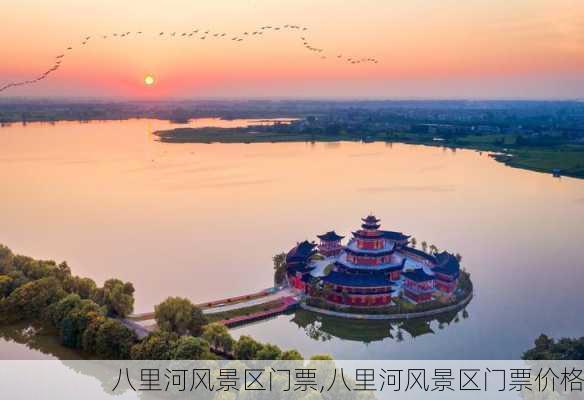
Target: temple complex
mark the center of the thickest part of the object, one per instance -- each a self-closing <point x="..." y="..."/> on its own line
<point x="372" y="268"/>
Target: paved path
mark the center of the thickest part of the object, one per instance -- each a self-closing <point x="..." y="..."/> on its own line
<point x="260" y="300"/>
<point x="285" y="304"/>
<point x="230" y="303"/>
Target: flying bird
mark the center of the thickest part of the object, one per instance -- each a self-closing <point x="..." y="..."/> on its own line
<point x="260" y="31"/>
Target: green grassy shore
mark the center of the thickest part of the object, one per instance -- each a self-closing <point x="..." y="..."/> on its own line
<point x="567" y="159"/>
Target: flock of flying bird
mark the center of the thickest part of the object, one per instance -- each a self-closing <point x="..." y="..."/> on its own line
<point x="200" y="34"/>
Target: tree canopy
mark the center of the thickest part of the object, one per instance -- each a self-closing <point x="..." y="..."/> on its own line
<point x="217" y="335"/>
<point x="547" y="348"/>
<point x="179" y="315"/>
<point x="117" y="296"/>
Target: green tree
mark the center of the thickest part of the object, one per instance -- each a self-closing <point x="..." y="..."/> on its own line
<point x="192" y="348"/>
<point x="62" y="271"/>
<point x="157" y="346"/>
<point x="18" y="279"/>
<point x="218" y="337"/>
<point x="413" y="242"/>
<point x="6" y="258"/>
<point x="424" y="246"/>
<point x="279" y="269"/>
<point x="179" y="315"/>
<point x="321" y="357"/>
<point x="117" y="296"/>
<point x="76" y="322"/>
<point x="30" y="300"/>
<point x="84" y="287"/>
<point x="57" y="311"/>
<point x="89" y="336"/>
<point x="269" y="352"/>
<point x="433" y="249"/>
<point x="247" y="348"/>
<point x="291" y="355"/>
<point x="37" y="269"/>
<point x="114" y="340"/>
<point x="5" y="285"/>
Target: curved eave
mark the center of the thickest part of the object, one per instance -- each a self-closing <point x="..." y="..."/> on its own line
<point x="371" y="253"/>
<point x="359" y="235"/>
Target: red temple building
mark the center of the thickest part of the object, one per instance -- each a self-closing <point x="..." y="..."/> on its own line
<point x="418" y="285"/>
<point x="330" y="244"/>
<point x="372" y="268"/>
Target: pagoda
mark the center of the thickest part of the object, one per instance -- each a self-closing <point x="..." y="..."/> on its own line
<point x="330" y="244"/>
<point x="373" y="267"/>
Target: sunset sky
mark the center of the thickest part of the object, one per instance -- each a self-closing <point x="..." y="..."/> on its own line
<point x="425" y="48"/>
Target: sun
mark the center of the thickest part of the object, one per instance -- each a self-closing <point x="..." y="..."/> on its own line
<point x="149" y="80"/>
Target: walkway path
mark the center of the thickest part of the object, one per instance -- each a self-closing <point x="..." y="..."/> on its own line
<point x="286" y="304"/>
<point x="144" y="324"/>
<point x="230" y="303"/>
<point x="280" y="294"/>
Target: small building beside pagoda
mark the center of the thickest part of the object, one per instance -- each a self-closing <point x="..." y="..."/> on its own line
<point x="419" y="285"/>
<point x="298" y="264"/>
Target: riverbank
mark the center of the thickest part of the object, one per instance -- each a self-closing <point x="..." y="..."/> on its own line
<point x="558" y="158"/>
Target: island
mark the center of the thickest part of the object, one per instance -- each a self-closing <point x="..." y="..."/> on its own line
<point x="377" y="274"/>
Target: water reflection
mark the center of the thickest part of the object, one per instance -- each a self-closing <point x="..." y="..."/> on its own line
<point x="324" y="328"/>
<point x="27" y="340"/>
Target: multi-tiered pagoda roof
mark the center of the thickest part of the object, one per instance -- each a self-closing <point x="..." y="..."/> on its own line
<point x="372" y="267"/>
<point x="330" y="236"/>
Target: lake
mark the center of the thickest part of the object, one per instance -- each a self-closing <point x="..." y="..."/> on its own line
<point x="203" y="221"/>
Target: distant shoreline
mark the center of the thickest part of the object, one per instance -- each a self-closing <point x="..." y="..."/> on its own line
<point x="565" y="160"/>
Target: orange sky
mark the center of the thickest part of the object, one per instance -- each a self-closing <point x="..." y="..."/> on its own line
<point x="426" y="48"/>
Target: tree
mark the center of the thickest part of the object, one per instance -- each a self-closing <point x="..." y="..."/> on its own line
<point x="321" y="357"/>
<point x="269" y="352"/>
<point x="118" y="297"/>
<point x="433" y="249"/>
<point x="18" y="279"/>
<point x="6" y="259"/>
<point x="458" y="257"/>
<point x="424" y="246"/>
<point x="30" y="300"/>
<point x="5" y="285"/>
<point x="76" y="321"/>
<point x="179" y="315"/>
<point x="218" y="337"/>
<point x="414" y="242"/>
<point x="114" y="340"/>
<point x="157" y="346"/>
<point x="84" y="287"/>
<point x="56" y="312"/>
<point x="192" y="348"/>
<point x="547" y="348"/>
<point x="291" y="355"/>
<point x="62" y="271"/>
<point x="89" y="336"/>
<point x="247" y="348"/>
<point x="279" y="268"/>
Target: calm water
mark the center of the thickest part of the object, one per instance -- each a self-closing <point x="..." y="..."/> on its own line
<point x="204" y="220"/>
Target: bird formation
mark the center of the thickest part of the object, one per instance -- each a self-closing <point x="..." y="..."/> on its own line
<point x="201" y="34"/>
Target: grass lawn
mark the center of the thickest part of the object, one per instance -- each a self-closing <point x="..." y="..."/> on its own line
<point x="569" y="160"/>
<point x="220" y="316"/>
